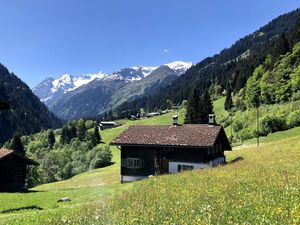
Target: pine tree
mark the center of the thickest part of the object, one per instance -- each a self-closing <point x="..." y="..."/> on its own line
<point x="228" y="101"/>
<point x="16" y="144"/>
<point x="281" y="46"/>
<point x="295" y="37"/>
<point x="198" y="108"/>
<point x="206" y="108"/>
<point x="51" y="138"/>
<point x="65" y="135"/>
<point x="96" y="135"/>
<point x="192" y="109"/>
<point x="73" y="131"/>
<point x="81" y="130"/>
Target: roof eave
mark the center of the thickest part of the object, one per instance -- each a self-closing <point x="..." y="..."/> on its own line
<point x="160" y="145"/>
<point x="28" y="161"/>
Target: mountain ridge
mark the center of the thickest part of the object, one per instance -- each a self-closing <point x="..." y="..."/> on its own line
<point x="229" y="69"/>
<point x="50" y="89"/>
<point x="105" y="92"/>
<point x="27" y="114"/>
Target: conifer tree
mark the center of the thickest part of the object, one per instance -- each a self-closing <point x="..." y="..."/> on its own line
<point x="206" y="108"/>
<point x="81" y="130"/>
<point x="198" y="108"/>
<point x="228" y="101"/>
<point x="295" y="37"/>
<point x="73" y="131"/>
<point x="96" y="135"/>
<point x="51" y="138"/>
<point x="281" y="46"/>
<point x="65" y="135"/>
<point x="192" y="109"/>
<point x="16" y="144"/>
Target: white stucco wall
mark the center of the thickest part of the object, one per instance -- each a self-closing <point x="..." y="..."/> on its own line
<point x="173" y="166"/>
<point x="132" y="178"/>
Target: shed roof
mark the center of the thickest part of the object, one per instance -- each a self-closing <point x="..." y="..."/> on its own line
<point x="189" y="135"/>
<point x="6" y="152"/>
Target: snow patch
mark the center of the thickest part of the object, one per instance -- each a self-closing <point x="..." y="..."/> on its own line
<point x="179" y="66"/>
<point x="63" y="81"/>
<point x="85" y="79"/>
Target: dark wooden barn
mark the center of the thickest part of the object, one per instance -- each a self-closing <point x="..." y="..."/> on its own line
<point x="13" y="170"/>
<point x="161" y="149"/>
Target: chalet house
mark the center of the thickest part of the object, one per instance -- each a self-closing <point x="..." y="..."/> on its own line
<point x="106" y="125"/>
<point x="161" y="149"/>
<point x="152" y="114"/>
<point x="13" y="170"/>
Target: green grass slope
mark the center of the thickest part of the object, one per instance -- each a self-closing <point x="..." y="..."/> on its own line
<point x="263" y="186"/>
<point x="94" y="186"/>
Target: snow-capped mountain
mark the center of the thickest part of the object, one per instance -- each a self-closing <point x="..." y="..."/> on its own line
<point x="179" y="67"/>
<point x="63" y="83"/>
<point x="133" y="74"/>
<point x="51" y="89"/>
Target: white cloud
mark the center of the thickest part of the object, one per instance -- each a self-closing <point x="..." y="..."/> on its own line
<point x="166" y="51"/>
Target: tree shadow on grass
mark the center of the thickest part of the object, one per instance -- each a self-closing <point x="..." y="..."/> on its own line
<point x="237" y="159"/>
<point x="32" y="207"/>
<point x="108" y="164"/>
<point x="21" y="191"/>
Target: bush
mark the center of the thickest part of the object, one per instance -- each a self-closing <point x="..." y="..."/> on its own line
<point x="224" y="120"/>
<point x="296" y="96"/>
<point x="237" y="125"/>
<point x="246" y="134"/>
<point x="102" y="158"/>
<point x="293" y="120"/>
<point x="271" y="124"/>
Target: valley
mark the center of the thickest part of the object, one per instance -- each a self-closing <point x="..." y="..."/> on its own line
<point x="100" y="191"/>
<point x="247" y="93"/>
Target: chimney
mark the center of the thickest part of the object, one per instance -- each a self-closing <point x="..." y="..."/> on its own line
<point x="211" y="119"/>
<point x="175" y="120"/>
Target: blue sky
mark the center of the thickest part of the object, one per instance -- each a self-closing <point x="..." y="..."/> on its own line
<point x="46" y="38"/>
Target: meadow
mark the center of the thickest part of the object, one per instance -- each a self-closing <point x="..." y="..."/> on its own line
<point x="257" y="186"/>
<point x="92" y="187"/>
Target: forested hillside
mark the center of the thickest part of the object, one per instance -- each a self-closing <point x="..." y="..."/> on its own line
<point x="27" y="114"/>
<point x="63" y="153"/>
<point x="273" y="88"/>
<point x="231" y="68"/>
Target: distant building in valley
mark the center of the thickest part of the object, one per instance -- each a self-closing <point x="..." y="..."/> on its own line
<point x="108" y="124"/>
<point x="148" y="115"/>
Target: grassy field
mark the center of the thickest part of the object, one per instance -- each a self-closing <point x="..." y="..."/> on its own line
<point x="277" y="136"/>
<point x="257" y="186"/>
<point x="261" y="188"/>
<point x="219" y="107"/>
<point x="92" y="187"/>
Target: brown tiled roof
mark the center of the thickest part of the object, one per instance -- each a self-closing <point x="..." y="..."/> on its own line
<point x="6" y="152"/>
<point x="191" y="135"/>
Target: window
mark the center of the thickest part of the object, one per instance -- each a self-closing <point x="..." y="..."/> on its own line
<point x="184" y="167"/>
<point x="134" y="163"/>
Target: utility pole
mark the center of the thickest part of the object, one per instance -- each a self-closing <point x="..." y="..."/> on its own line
<point x="230" y="114"/>
<point x="257" y="124"/>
